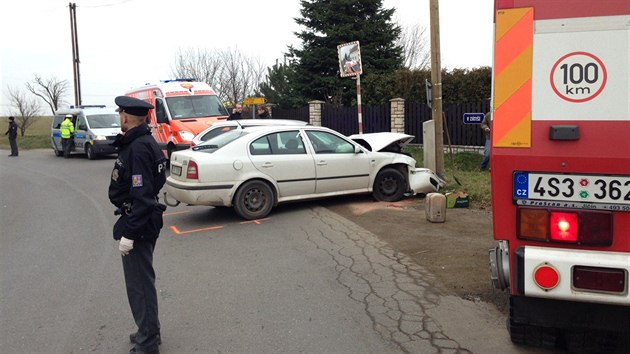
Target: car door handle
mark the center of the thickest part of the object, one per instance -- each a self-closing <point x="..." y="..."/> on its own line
<point x="267" y="164"/>
<point x="322" y="163"/>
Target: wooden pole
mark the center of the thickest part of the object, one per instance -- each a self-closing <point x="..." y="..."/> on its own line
<point x="74" y="54"/>
<point x="436" y="92"/>
<point x="77" y="59"/>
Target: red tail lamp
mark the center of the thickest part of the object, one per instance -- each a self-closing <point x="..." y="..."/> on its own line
<point x="563" y="227"/>
<point x="580" y="227"/>
<point x="191" y="171"/>
<point x="595" y="228"/>
<point x="546" y="276"/>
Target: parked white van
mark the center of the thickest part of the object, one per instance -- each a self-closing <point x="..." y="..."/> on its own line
<point x="95" y="128"/>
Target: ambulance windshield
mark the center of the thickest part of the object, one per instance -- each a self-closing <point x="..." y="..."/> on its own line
<point x="195" y="106"/>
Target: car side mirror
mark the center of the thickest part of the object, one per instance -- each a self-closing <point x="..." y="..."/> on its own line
<point x="357" y="149"/>
<point x="160" y="116"/>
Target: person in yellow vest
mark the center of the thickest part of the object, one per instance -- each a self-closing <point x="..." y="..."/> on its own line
<point x="67" y="135"/>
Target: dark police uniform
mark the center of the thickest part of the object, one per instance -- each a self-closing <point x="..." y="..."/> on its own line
<point x="12" y="133"/>
<point x="138" y="175"/>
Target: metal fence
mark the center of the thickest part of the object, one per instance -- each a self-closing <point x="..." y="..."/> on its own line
<point x="291" y="113"/>
<point x="459" y="133"/>
<point x="378" y="119"/>
<point x="345" y="119"/>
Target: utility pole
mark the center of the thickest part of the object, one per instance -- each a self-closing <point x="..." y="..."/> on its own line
<point x="75" y="53"/>
<point x="436" y="92"/>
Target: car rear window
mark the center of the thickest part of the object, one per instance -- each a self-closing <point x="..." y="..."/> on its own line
<point x="220" y="141"/>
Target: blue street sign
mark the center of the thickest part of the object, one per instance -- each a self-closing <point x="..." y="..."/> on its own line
<point x="473" y="118"/>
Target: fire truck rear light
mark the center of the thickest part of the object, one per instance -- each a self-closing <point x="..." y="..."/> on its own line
<point x="563" y="226"/>
<point x="595" y="228"/>
<point x="191" y="171"/>
<point x="546" y="277"/>
<point x="599" y="279"/>
<point x="533" y="223"/>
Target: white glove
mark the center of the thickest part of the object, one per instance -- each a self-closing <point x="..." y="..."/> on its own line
<point x="125" y="246"/>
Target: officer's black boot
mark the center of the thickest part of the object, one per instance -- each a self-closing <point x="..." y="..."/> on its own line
<point x="132" y="338"/>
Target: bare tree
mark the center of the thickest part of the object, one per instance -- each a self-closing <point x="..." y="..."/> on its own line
<point x="52" y="91"/>
<point x="24" y="109"/>
<point x="416" y="49"/>
<point x="233" y="74"/>
<point x="197" y="64"/>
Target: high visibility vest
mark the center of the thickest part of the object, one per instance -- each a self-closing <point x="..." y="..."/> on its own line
<point x="67" y="128"/>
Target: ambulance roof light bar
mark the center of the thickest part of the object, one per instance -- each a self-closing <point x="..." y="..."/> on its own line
<point x="180" y="80"/>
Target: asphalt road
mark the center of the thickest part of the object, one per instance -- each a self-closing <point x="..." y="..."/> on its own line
<point x="303" y="280"/>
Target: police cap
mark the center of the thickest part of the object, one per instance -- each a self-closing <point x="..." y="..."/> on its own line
<point x="132" y="106"/>
<point x="69" y="116"/>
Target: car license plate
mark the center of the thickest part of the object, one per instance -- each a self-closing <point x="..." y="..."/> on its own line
<point x="176" y="170"/>
<point x="583" y="189"/>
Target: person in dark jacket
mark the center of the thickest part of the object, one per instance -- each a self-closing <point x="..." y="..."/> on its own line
<point x="263" y="113"/>
<point x="12" y="133"/>
<point x="485" y="126"/>
<point x="138" y="175"/>
<point x="237" y="112"/>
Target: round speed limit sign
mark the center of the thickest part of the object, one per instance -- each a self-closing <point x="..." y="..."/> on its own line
<point x="578" y="77"/>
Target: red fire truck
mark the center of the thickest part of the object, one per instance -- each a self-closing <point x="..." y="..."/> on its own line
<point x="560" y="169"/>
<point x="183" y="109"/>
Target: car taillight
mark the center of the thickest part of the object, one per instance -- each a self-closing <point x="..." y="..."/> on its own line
<point x="596" y="228"/>
<point x="563" y="227"/>
<point x="192" y="171"/>
<point x="581" y="227"/>
<point x="533" y="223"/>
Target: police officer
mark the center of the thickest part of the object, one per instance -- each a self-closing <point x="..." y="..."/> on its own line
<point x="12" y="133"/>
<point x="139" y="174"/>
<point x="67" y="133"/>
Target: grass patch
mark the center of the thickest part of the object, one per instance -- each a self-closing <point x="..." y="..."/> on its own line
<point x="37" y="136"/>
<point x="462" y="167"/>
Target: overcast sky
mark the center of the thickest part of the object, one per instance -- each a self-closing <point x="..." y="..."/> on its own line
<point x="127" y="43"/>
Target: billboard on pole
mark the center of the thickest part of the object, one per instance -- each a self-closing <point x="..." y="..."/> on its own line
<point x="349" y="59"/>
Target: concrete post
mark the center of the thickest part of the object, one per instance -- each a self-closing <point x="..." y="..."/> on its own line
<point x="397" y="115"/>
<point x="428" y="144"/>
<point x="315" y="112"/>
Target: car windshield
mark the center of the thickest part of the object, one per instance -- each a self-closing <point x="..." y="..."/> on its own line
<point x="104" y="121"/>
<point x="195" y="106"/>
<point x="220" y="141"/>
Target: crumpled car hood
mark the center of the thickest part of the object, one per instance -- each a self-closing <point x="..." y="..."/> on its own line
<point x="384" y="141"/>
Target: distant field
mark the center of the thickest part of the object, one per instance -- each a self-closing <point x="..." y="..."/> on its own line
<point x="37" y="136"/>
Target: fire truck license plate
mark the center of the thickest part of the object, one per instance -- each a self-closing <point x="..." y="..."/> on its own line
<point x="583" y="189"/>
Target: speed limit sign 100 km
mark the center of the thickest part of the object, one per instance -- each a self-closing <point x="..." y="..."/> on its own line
<point x="578" y="77"/>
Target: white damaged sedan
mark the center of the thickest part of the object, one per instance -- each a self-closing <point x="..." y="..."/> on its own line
<point x="255" y="169"/>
